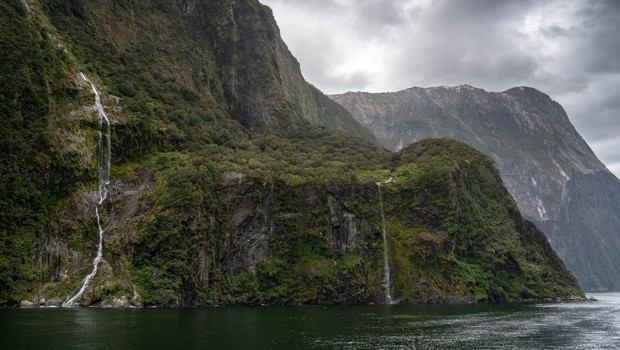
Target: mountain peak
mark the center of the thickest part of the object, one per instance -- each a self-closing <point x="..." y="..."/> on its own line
<point x="457" y="88"/>
<point x="527" y="91"/>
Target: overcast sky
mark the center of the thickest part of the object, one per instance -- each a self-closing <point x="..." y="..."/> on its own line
<point x="568" y="49"/>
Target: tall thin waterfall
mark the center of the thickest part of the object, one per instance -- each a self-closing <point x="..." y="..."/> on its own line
<point x="103" y="164"/>
<point x="233" y="68"/>
<point x="386" y="266"/>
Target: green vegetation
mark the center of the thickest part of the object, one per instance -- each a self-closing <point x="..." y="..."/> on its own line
<point x="32" y="77"/>
<point x="454" y="232"/>
<point x="207" y="211"/>
<point x="487" y="247"/>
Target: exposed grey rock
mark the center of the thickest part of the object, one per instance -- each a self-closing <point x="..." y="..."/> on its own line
<point x="116" y="302"/>
<point x="55" y="301"/>
<point x="343" y="225"/>
<point x="26" y="304"/>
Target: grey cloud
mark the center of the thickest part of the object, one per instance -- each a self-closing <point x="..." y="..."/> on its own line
<point x="370" y="18"/>
<point x="375" y="16"/>
<point x="314" y="51"/>
<point x="479" y="12"/>
<point x="599" y="40"/>
<point x="597" y="122"/>
<point x="554" y="31"/>
<point x="467" y="42"/>
<point x="595" y="113"/>
<point x="602" y="51"/>
<point x="502" y="67"/>
<point x="356" y="81"/>
<point x="313" y="9"/>
<point x="561" y="84"/>
<point x="319" y="5"/>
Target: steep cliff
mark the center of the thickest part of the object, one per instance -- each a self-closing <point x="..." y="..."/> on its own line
<point x="554" y="176"/>
<point x="225" y="188"/>
<point x="260" y="77"/>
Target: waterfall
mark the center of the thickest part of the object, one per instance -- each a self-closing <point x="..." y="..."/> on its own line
<point x="27" y="5"/>
<point x="386" y="266"/>
<point x="233" y="69"/>
<point x="103" y="167"/>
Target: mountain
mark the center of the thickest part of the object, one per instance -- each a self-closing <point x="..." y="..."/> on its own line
<point x="552" y="173"/>
<point x="170" y="153"/>
<point x="261" y="79"/>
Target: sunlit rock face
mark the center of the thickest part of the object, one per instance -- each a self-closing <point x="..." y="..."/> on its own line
<point x="553" y="174"/>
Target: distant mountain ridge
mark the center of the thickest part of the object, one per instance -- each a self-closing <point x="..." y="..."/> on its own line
<point x="557" y="180"/>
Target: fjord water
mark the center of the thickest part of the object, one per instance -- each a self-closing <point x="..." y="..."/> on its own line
<point x="578" y="325"/>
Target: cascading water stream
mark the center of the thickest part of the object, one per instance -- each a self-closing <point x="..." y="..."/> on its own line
<point x="233" y="69"/>
<point x="103" y="165"/>
<point x="386" y="265"/>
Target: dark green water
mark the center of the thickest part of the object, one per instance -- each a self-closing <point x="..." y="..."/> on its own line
<point x="588" y="325"/>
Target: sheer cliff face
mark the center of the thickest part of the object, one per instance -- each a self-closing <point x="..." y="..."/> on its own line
<point x="546" y="165"/>
<point x="262" y="80"/>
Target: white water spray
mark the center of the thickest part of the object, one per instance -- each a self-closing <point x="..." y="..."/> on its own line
<point x="386" y="265"/>
<point x="103" y="165"/>
<point x="27" y="5"/>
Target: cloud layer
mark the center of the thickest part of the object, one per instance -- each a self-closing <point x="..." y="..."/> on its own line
<point x="569" y="49"/>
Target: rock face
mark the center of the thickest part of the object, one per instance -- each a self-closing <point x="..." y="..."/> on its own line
<point x="261" y="79"/>
<point x="549" y="169"/>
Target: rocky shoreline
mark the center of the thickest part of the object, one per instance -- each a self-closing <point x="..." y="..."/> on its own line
<point x="124" y="303"/>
